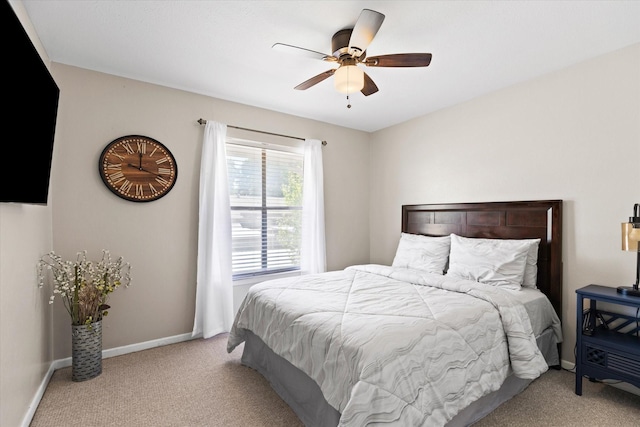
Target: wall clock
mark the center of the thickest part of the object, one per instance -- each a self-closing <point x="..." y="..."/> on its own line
<point x="138" y="168"/>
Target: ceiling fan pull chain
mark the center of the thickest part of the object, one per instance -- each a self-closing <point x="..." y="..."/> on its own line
<point x="348" y="102"/>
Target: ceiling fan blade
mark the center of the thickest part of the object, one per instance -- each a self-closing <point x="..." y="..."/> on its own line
<point x="369" y="86"/>
<point x="364" y="31"/>
<point x="315" y="80"/>
<point x="399" y="60"/>
<point x="300" y="51"/>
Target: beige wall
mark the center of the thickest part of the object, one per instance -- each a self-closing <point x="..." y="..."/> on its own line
<point x="571" y="135"/>
<point x="25" y="320"/>
<point x="159" y="238"/>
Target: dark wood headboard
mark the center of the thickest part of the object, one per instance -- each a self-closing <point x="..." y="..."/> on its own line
<point x="500" y="220"/>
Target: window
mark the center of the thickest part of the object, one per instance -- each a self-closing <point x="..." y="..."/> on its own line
<point x="265" y="188"/>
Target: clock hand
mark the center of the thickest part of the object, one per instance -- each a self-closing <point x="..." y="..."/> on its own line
<point x="152" y="173"/>
<point x="140" y="154"/>
<point x="142" y="169"/>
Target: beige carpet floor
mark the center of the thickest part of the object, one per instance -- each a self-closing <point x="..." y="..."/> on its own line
<point x="198" y="384"/>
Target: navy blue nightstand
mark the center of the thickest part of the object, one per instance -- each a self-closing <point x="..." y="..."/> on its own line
<point x="607" y="344"/>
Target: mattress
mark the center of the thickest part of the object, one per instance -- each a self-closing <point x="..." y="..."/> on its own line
<point x="540" y="311"/>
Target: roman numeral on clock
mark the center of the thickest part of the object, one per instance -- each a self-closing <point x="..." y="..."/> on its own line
<point x="116" y="177"/>
<point x="117" y="155"/>
<point x="162" y="181"/>
<point x="126" y="186"/>
<point x="142" y="147"/>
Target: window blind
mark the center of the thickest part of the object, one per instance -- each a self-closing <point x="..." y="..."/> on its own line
<point x="265" y="187"/>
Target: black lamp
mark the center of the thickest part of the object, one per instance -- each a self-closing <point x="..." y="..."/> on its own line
<point x="630" y="238"/>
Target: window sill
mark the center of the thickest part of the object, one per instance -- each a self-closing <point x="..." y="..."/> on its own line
<point x="264" y="278"/>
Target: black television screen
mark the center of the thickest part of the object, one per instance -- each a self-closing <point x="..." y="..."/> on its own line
<point x="32" y="106"/>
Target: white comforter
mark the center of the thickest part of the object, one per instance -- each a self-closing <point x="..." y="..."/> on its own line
<point x="393" y="346"/>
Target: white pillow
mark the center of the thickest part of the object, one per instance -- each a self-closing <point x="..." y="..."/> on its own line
<point x="495" y="262"/>
<point x="420" y="252"/>
<point x="531" y="268"/>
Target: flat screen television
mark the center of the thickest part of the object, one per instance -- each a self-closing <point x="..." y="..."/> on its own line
<point x="31" y="107"/>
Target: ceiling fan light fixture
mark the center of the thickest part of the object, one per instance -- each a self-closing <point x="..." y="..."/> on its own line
<point x="348" y="79"/>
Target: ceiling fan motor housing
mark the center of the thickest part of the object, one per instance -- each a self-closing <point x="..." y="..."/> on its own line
<point x="340" y="42"/>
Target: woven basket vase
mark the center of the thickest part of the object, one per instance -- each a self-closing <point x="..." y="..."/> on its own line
<point x="86" y="351"/>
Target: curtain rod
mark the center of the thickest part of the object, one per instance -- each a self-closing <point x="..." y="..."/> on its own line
<point x="203" y="121"/>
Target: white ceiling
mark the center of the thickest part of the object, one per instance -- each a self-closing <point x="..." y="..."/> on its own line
<point x="223" y="48"/>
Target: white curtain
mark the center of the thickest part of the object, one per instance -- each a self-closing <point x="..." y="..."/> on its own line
<point x="313" y="250"/>
<point x="214" y="292"/>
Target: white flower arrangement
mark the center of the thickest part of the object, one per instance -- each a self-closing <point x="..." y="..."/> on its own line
<point x="84" y="286"/>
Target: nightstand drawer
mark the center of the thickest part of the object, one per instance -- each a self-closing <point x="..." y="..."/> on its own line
<point x="611" y="359"/>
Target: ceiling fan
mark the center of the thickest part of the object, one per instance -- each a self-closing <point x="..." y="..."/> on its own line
<point x="349" y="48"/>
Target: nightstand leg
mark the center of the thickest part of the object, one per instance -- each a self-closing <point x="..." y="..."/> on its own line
<point x="579" y="318"/>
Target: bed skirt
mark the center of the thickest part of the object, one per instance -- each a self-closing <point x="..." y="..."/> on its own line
<point x="304" y="396"/>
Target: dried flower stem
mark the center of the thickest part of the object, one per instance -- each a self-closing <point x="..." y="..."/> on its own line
<point x="83" y="286"/>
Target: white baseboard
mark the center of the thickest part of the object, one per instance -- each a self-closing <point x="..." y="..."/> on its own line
<point x="31" y="411"/>
<point x="132" y="348"/>
<point x="567" y="365"/>
<point x="627" y="387"/>
<point x="111" y="352"/>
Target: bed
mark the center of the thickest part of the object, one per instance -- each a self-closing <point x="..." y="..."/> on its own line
<point x="442" y="336"/>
